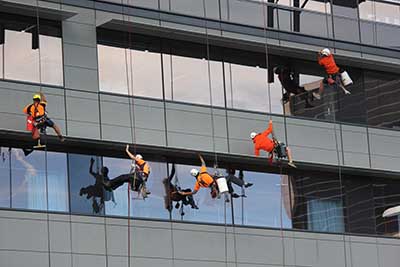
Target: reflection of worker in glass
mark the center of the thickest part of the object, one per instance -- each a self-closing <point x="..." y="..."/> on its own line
<point x="172" y="193"/>
<point x="97" y="190"/>
<point x="263" y="142"/>
<point x="289" y="83"/>
<point x="38" y="114"/>
<point x="203" y="180"/>
<point x="138" y="176"/>
<point x="239" y="181"/>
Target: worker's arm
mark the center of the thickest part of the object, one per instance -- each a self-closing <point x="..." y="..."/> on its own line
<point x="203" y="163"/>
<point x="91" y="168"/>
<point x="26" y="109"/>
<point x="133" y="157"/>
<point x="188" y="193"/>
<point x="269" y="129"/>
<point x="257" y="152"/>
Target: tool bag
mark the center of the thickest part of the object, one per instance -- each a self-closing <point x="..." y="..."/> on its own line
<point x="346" y="80"/>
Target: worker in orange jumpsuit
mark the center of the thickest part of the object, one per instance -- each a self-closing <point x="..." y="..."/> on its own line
<point x="203" y="180"/>
<point x="263" y="142"/>
<point x="326" y="60"/>
<point x="37" y="110"/>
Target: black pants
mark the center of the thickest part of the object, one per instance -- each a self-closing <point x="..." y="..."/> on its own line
<point x="233" y="179"/>
<point x="126" y="178"/>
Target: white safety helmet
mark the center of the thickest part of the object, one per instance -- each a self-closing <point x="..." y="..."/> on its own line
<point x="139" y="156"/>
<point x="194" y="172"/>
<point x="252" y="135"/>
<point x="325" y="52"/>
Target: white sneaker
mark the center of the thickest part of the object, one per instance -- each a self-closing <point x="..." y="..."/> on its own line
<point x="317" y="96"/>
<point x="291" y="164"/>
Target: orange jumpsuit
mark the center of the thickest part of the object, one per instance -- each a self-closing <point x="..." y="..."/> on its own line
<point x="203" y="179"/>
<point x="35" y="110"/>
<point x="262" y="141"/>
<point x="328" y="62"/>
<point x="143" y="166"/>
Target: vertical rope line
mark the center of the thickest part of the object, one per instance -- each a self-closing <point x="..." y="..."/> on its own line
<point x="335" y="131"/>
<point x="264" y="5"/>
<point x="45" y="152"/>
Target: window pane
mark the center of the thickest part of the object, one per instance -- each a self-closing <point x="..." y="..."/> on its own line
<point x="28" y="180"/>
<point x="387" y="13"/>
<point x="210" y="210"/>
<point x="1" y="61"/>
<point x="57" y="181"/>
<point x="147" y="74"/>
<point x="316" y="5"/>
<point x="367" y="10"/>
<point x="86" y="191"/>
<point x="151" y="207"/>
<point x="325" y="216"/>
<point x="270" y="190"/>
<point x="21" y="61"/>
<point x="5" y="182"/>
<point x="112" y="69"/>
<point x="246" y="12"/>
<point x="51" y="60"/>
<point x="247" y="89"/>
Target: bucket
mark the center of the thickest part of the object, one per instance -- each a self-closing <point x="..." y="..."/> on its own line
<point x="222" y="185"/>
<point x="346" y="80"/>
<point x="29" y="123"/>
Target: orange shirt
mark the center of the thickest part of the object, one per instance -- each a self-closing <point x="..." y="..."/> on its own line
<point x="203" y="179"/>
<point x="328" y="62"/>
<point x="262" y="141"/>
<point x="144" y="167"/>
<point x="35" y="110"/>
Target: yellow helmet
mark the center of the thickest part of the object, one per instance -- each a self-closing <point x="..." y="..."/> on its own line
<point x="36" y="96"/>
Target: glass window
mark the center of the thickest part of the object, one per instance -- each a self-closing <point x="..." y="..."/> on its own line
<point x="57" y="181"/>
<point x="28" y="180"/>
<point x="210" y="210"/>
<point x="367" y="10"/>
<point x="316" y="5"/>
<point x="387" y="13"/>
<point x="1" y="61"/>
<point x="112" y="69"/>
<point x="267" y="202"/>
<point x="51" y="60"/>
<point x="151" y="207"/>
<point x="346" y="29"/>
<point x="147" y="77"/>
<point x="87" y="194"/>
<point x="346" y="8"/>
<point x="190" y="7"/>
<point x="247" y="89"/>
<point x="325" y="215"/>
<point x="5" y="178"/>
<point x="20" y="60"/>
<point x="247" y="12"/>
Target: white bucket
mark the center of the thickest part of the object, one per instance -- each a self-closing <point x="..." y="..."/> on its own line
<point x="346" y="80"/>
<point x="222" y="185"/>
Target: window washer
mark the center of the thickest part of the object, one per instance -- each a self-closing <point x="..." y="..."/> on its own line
<point x="290" y="85"/>
<point x="326" y="60"/>
<point x="97" y="190"/>
<point x="138" y="177"/>
<point x="37" y="113"/>
<point x="231" y="178"/>
<point x="263" y="142"/>
<point x="172" y="193"/>
<point x="203" y="180"/>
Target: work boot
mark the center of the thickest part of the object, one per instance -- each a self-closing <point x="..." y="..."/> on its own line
<point x="177" y="205"/>
<point x="61" y="138"/>
<point x="234" y="195"/>
<point x="316" y="96"/>
<point x="194" y="206"/>
<point x="291" y="164"/>
<point x="247" y="185"/>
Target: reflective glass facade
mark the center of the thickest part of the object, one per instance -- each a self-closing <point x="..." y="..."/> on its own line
<point x="312" y="201"/>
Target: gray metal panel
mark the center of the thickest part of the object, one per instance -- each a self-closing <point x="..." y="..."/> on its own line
<point x="20" y="258"/>
<point x="60" y="240"/>
<point x="115" y="110"/>
<point x="82" y="107"/>
<point x="117" y="240"/>
<point x="60" y="260"/>
<point x="364" y="254"/>
<point x="313" y="141"/>
<point x="84" y="15"/>
<point x="80" y="34"/>
<point x="88" y="238"/>
<point x="114" y="261"/>
<point x="89" y="261"/>
<point x="80" y="56"/>
<point x="210" y="244"/>
<point x="330" y="254"/>
<point x="150" y="137"/>
<point x="15" y="232"/>
<point x="389" y="256"/>
<point x="116" y="133"/>
<point x="306" y="252"/>
<point x="385" y="147"/>
<point x="355" y="146"/>
<point x="151" y="242"/>
<point x="81" y="78"/>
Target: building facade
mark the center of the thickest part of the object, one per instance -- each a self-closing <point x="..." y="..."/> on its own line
<point x="175" y="78"/>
